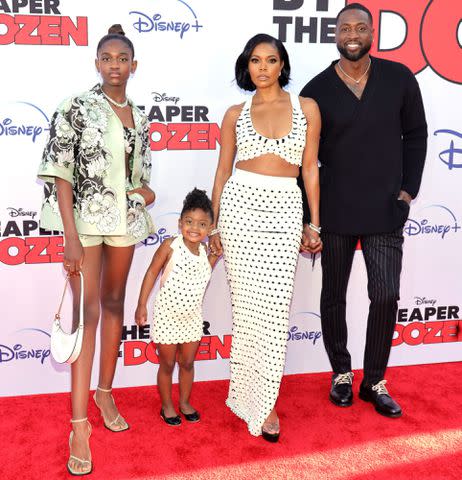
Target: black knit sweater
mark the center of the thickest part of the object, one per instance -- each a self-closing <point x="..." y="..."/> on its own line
<point x="370" y="149"/>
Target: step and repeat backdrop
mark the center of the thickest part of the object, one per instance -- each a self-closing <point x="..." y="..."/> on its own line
<point x="186" y="50"/>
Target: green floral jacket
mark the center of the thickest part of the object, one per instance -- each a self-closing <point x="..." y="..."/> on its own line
<point x="86" y="148"/>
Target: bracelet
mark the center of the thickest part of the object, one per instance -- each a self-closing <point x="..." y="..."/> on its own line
<point x="315" y="228"/>
<point x="213" y="232"/>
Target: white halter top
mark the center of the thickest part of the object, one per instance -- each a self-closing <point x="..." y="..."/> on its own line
<point x="251" y="144"/>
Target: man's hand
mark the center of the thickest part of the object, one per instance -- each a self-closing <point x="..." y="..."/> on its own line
<point x="405" y="196"/>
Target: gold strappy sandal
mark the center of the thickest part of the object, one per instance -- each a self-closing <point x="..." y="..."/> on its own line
<point x="86" y="464"/>
<point x="117" y="420"/>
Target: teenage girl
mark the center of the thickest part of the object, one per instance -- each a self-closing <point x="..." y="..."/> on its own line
<point x="96" y="167"/>
<point x="178" y="326"/>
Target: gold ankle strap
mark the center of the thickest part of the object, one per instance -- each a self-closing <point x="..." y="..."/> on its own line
<point x="103" y="389"/>
<point x="78" y="420"/>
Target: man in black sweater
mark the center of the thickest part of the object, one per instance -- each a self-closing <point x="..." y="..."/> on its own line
<point x="372" y="151"/>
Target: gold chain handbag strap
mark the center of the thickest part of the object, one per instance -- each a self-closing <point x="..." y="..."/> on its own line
<point x="58" y="313"/>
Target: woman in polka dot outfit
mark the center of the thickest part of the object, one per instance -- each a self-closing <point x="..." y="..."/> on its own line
<point x="177" y="325"/>
<point x="259" y="228"/>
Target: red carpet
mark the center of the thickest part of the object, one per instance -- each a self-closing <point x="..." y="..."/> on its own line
<point x="318" y="440"/>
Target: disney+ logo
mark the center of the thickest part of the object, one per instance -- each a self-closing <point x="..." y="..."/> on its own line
<point x="25" y="127"/>
<point x="185" y="21"/>
<point x="439" y="221"/>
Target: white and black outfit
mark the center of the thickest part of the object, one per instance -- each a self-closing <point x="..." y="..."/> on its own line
<point x="178" y="304"/>
<point x="260" y="226"/>
<point x="370" y="149"/>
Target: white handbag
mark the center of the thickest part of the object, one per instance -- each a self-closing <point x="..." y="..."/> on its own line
<point x="65" y="347"/>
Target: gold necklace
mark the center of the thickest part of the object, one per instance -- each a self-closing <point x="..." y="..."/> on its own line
<point x="354" y="79"/>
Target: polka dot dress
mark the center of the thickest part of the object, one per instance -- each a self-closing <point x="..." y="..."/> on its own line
<point x="178" y="304"/>
<point x="260" y="227"/>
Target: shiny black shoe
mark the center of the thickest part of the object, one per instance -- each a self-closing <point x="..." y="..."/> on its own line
<point x="378" y="395"/>
<point x="341" y="393"/>
<point x="172" y="421"/>
<point x="271" y="437"/>
<point x="191" y="417"/>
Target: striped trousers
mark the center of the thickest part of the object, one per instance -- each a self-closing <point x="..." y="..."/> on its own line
<point x="383" y="256"/>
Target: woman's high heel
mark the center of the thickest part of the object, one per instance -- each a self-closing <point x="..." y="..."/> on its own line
<point x="87" y="465"/>
<point x="273" y="434"/>
<point x="118" y="420"/>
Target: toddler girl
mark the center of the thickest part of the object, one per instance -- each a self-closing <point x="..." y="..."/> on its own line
<point x="177" y="326"/>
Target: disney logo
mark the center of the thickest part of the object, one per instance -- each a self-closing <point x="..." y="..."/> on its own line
<point x="294" y="334"/>
<point x="157" y="238"/>
<point x="7" y="128"/>
<point x="448" y="156"/>
<point x="8" y="354"/>
<point x="424" y="301"/>
<point x="162" y="97"/>
<point x="15" y="212"/>
<point x="147" y="23"/>
<point x="426" y="227"/>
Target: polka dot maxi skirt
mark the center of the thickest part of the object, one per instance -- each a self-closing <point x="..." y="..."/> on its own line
<point x="260" y="226"/>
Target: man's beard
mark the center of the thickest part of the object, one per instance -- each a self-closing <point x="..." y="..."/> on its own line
<point x="354" y="57"/>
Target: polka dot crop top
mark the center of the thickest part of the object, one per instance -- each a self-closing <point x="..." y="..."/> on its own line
<point x="251" y="144"/>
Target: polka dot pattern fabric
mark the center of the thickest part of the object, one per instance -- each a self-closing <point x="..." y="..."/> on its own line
<point x="260" y="227"/>
<point x="250" y="144"/>
<point x="178" y="304"/>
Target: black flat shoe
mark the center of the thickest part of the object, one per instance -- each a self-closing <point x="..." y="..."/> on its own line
<point x="341" y="393"/>
<point x="172" y="421"/>
<point x="378" y="395"/>
<point x="191" y="417"/>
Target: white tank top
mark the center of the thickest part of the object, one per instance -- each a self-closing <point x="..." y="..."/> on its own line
<point x="183" y="258"/>
<point x="251" y="144"/>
